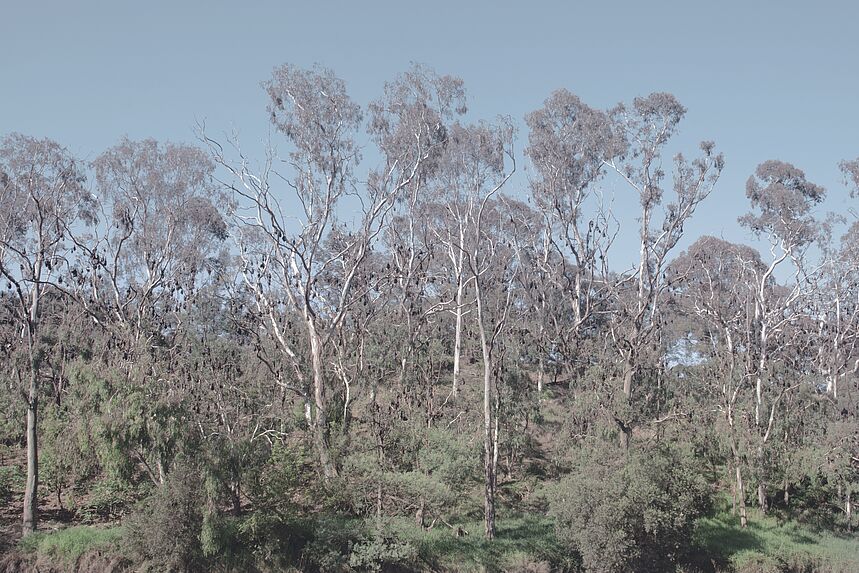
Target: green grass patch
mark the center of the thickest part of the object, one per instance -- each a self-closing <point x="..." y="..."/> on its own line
<point x="67" y="545"/>
<point x="520" y="540"/>
<point x="769" y="544"/>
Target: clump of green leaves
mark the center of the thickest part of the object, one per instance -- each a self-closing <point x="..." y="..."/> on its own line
<point x="379" y="549"/>
<point x="165" y="530"/>
<point x="629" y="512"/>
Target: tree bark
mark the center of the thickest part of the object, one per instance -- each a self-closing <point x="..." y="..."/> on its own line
<point x="741" y="497"/>
<point x="320" y="422"/>
<point x="733" y="490"/>
<point x="31" y="488"/>
<point x="419" y="514"/>
<point x="31" y="500"/>
<point x="488" y="452"/>
<point x="489" y="455"/>
<point x="628" y="374"/>
<point x="457" y="341"/>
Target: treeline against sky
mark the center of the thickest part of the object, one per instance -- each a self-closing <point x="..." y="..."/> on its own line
<point x="305" y="339"/>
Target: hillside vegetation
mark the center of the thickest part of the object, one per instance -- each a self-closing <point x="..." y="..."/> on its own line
<point x="309" y="361"/>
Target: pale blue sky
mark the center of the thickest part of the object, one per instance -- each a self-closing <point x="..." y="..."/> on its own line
<point x="762" y="79"/>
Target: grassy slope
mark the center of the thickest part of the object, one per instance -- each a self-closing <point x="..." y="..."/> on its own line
<point x="527" y="541"/>
<point x="768" y="542"/>
<point x="67" y="545"/>
<point x="520" y="540"/>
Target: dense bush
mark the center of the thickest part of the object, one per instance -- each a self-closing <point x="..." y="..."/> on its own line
<point x="165" y="530"/>
<point x="629" y="513"/>
<point x="381" y="549"/>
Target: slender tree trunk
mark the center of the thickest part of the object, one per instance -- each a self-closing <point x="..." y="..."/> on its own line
<point x="759" y="383"/>
<point x="762" y="489"/>
<point x="159" y="465"/>
<point x="733" y="489"/>
<point x="628" y="375"/>
<point x="236" y="495"/>
<point x="381" y="457"/>
<point x="540" y="375"/>
<point x="31" y="488"/>
<point x="31" y="499"/>
<point x="758" y="399"/>
<point x="457" y="341"/>
<point x="308" y="413"/>
<point x="489" y="452"/>
<point x="741" y="497"/>
<point x="419" y="514"/>
<point x="320" y="422"/>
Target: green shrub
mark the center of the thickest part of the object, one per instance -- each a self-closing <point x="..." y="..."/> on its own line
<point x="165" y="530"/>
<point x="107" y="499"/>
<point x="629" y="513"/>
<point x="380" y="550"/>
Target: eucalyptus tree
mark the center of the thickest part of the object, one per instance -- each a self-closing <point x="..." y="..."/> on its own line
<point x="137" y="273"/>
<point x="850" y="170"/>
<point x="835" y="294"/>
<point x="419" y="104"/>
<point x="479" y="160"/>
<point x="647" y="126"/>
<point x="715" y="283"/>
<point x="570" y="145"/>
<point x="781" y="199"/>
<point x="42" y="192"/>
<point x="305" y="267"/>
<point x="447" y="217"/>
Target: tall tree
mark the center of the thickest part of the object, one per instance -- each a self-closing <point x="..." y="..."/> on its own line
<point x="716" y="283"/>
<point x="483" y="156"/>
<point x="781" y="198"/>
<point x="570" y="145"/>
<point x="647" y="126"/>
<point x="307" y="268"/>
<point x="138" y="271"/>
<point x="42" y="192"/>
